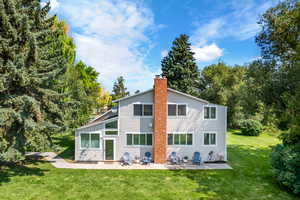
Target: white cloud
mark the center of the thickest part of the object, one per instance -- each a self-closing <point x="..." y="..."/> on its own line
<point x="53" y="4"/>
<point x="164" y="53"/>
<point x="207" y="52"/>
<point x="240" y="24"/>
<point x="111" y="37"/>
<point x="208" y="31"/>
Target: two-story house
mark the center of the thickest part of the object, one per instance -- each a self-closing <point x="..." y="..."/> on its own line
<point x="160" y="120"/>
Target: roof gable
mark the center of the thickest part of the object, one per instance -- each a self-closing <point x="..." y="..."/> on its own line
<point x="187" y="95"/>
<point x="169" y="89"/>
<point x="134" y="95"/>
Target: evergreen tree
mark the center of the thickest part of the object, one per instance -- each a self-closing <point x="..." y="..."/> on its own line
<point x="30" y="60"/>
<point x="180" y="68"/>
<point x="119" y="89"/>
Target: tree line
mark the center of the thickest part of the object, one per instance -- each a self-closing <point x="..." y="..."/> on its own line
<point x="262" y="92"/>
<point x="266" y="89"/>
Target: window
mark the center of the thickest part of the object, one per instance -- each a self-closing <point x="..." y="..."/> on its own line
<point x="176" y="109"/>
<point x="170" y="139"/>
<point x="180" y="139"/>
<point x="209" y="138"/>
<point x="136" y="139"/>
<point x="209" y="112"/>
<point x="182" y="110"/>
<point x="143" y="139"/>
<point x="90" y="140"/>
<point x="111" y="128"/>
<point x="95" y="141"/>
<point x="111" y="132"/>
<point x="149" y="139"/>
<point x="85" y="140"/>
<point x="137" y="109"/>
<point x="129" y="139"/>
<point x="147" y="110"/>
<point x="176" y="139"/>
<point x="142" y="109"/>
<point x="110" y="125"/>
<point x="139" y="139"/>
<point x="172" y="109"/>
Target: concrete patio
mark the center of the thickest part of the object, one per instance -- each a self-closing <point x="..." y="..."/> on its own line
<point x="58" y="162"/>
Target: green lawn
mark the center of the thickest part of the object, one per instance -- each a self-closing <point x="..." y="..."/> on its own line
<point x="250" y="179"/>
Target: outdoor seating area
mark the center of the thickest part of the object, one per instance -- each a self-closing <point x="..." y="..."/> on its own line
<point x="173" y="160"/>
<point x="59" y="162"/>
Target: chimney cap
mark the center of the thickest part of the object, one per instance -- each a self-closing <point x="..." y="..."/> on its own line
<point x="157" y="76"/>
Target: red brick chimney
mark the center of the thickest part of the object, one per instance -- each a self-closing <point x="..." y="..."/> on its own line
<point x="160" y="119"/>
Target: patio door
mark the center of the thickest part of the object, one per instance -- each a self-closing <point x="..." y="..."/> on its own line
<point x="109" y="149"/>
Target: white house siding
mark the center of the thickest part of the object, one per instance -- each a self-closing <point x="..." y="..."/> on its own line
<point x="194" y="123"/>
<point x="89" y="154"/>
<point x="133" y="124"/>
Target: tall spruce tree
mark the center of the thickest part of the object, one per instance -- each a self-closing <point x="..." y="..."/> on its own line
<point x="179" y="66"/>
<point x="31" y="59"/>
<point x="119" y="89"/>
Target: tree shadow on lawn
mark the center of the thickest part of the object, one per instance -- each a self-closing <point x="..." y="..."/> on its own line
<point x="8" y="170"/>
<point x="251" y="177"/>
<point x="66" y="144"/>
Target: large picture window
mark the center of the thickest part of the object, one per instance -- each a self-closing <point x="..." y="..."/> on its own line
<point x="180" y="139"/>
<point x="139" y="139"/>
<point x="177" y="110"/>
<point x="142" y="109"/>
<point x="210" y="112"/>
<point x="90" y="140"/>
<point x="210" y="139"/>
<point x="111" y="128"/>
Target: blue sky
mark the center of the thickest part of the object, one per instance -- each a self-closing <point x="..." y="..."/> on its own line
<point x="129" y="37"/>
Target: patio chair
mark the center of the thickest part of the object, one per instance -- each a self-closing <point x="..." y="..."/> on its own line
<point x="197" y="158"/>
<point x="147" y="159"/>
<point x="126" y="159"/>
<point x="173" y="158"/>
<point x="211" y="156"/>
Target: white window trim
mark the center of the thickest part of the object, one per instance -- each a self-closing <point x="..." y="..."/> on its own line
<point x="177" y="116"/>
<point x="210" y="145"/>
<point x="181" y="145"/>
<point x="209" y="106"/>
<point x="90" y="148"/>
<point x="109" y="138"/>
<point x="134" y="145"/>
<point x="143" y="116"/>
<point x="112" y="129"/>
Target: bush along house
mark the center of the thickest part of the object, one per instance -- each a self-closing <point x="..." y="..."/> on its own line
<point x="161" y="121"/>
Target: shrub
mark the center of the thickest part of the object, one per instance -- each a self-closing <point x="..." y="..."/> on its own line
<point x="12" y="156"/>
<point x="292" y="136"/>
<point x="251" y="127"/>
<point x="285" y="161"/>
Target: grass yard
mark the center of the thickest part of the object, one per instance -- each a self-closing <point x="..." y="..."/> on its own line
<point x="250" y="179"/>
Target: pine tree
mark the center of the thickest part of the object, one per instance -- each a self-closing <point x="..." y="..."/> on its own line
<point x="30" y="60"/>
<point x="119" y="89"/>
<point x="179" y="66"/>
